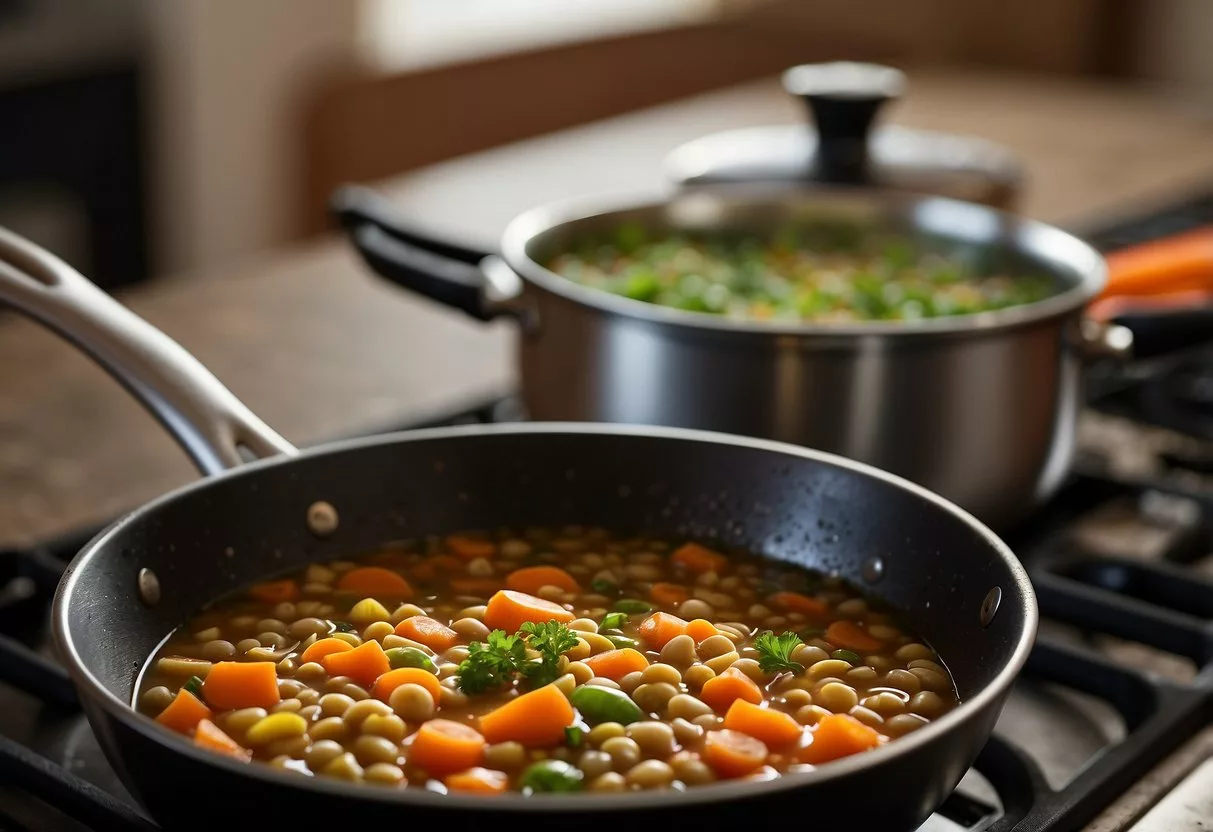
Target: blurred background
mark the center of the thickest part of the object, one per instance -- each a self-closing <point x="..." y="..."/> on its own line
<point x="138" y="138"/>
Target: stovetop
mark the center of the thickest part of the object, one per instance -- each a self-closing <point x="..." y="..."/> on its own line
<point x="1108" y="729"/>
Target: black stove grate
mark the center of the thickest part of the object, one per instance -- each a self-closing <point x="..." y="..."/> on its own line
<point x="1163" y="603"/>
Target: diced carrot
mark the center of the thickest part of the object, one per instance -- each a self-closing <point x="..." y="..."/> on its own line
<point x="478" y="780"/>
<point x="659" y="628"/>
<point x="796" y="602"/>
<point x="442" y="747"/>
<point x="770" y="726"/>
<point x="699" y="559"/>
<point x="317" y="650"/>
<point x="534" y="719"/>
<point x="530" y="579"/>
<point x="838" y="735"/>
<point x="207" y="735"/>
<point x="376" y="582"/>
<point x="232" y="685"/>
<point x="469" y="548"/>
<point x="364" y="664"/>
<point x="733" y="754"/>
<point x="722" y="691"/>
<point x="393" y="679"/>
<point x="668" y="595"/>
<point x="509" y="610"/>
<point x="184" y="713"/>
<point x="479" y="587"/>
<point x="849" y="635"/>
<point x="429" y="631"/>
<point x="1166" y="264"/>
<point x="275" y="592"/>
<point x="701" y="628"/>
<point x="615" y="664"/>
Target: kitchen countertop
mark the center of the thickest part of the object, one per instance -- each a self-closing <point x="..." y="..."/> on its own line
<point x="320" y="349"/>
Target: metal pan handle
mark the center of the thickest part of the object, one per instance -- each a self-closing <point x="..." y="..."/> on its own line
<point x="208" y="421"/>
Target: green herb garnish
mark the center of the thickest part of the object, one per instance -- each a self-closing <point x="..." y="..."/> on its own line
<point x="613" y="621"/>
<point x="550" y="639"/>
<point x="776" y="652"/>
<point x="491" y="664"/>
<point x="849" y="656"/>
<point x="194" y="685"/>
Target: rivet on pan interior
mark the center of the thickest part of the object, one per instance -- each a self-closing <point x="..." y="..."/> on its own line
<point x="322" y="518"/>
<point x="873" y="570"/>
<point x="149" y="587"/>
<point x="989" y="607"/>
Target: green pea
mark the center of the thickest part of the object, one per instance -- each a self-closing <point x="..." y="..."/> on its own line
<point x="599" y="704"/>
<point x="410" y="657"/>
<point x="551" y="776"/>
<point x="632" y="606"/>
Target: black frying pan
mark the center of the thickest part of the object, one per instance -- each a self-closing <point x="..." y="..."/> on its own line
<point x="954" y="580"/>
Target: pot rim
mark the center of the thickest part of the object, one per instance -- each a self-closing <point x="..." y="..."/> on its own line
<point x="1050" y="244"/>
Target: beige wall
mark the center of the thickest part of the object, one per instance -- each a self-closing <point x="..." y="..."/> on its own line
<point x="226" y="80"/>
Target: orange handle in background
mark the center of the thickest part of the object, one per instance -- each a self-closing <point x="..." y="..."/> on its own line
<point x="1181" y="263"/>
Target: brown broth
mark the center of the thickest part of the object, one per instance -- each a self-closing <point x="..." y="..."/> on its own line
<point x="850" y="656"/>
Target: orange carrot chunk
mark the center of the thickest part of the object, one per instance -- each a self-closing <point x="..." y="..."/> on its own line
<point x="851" y="636"/>
<point x="535" y="719"/>
<point x="275" y="592"/>
<point x="733" y="754"/>
<point x="443" y="747"/>
<point x="615" y="664"/>
<point x="659" y="628"/>
<point x="796" y="602"/>
<point x="722" y="691"/>
<point x="668" y="595"/>
<point x="509" y="610"/>
<point x="478" y="780"/>
<point x="469" y="548"/>
<point x="701" y="628"/>
<point x="393" y="679"/>
<point x="232" y="685"/>
<point x="317" y="650"/>
<point x="772" y="727"/>
<point x="364" y="664"/>
<point x="699" y="559"/>
<point x="208" y="735"/>
<point x="429" y="631"/>
<point x="184" y="713"/>
<point x="530" y="579"/>
<point x="838" y="735"/>
<point x="376" y="582"/>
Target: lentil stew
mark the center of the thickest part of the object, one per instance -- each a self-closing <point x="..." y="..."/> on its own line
<point x="546" y="661"/>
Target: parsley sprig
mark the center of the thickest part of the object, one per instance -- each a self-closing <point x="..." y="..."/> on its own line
<point x="502" y="659"/>
<point x="776" y="652"/>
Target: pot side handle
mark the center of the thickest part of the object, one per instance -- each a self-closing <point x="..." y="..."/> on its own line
<point x="206" y="418"/>
<point x="475" y="282"/>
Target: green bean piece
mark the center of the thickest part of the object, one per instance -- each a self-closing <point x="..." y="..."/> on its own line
<point x="551" y="776"/>
<point x="632" y="606"/>
<point x="410" y="657"/>
<point x="600" y="704"/>
<point x="849" y="656"/>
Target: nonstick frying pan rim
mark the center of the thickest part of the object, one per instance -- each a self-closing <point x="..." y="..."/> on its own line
<point x="936" y="730"/>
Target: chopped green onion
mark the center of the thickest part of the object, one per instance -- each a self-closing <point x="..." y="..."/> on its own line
<point x="194" y="685"/>
<point x="619" y="641"/>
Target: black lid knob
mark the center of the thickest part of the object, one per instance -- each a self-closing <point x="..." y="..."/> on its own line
<point x="842" y="99"/>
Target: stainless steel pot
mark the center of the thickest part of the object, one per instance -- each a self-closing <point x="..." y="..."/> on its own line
<point x="979" y="408"/>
